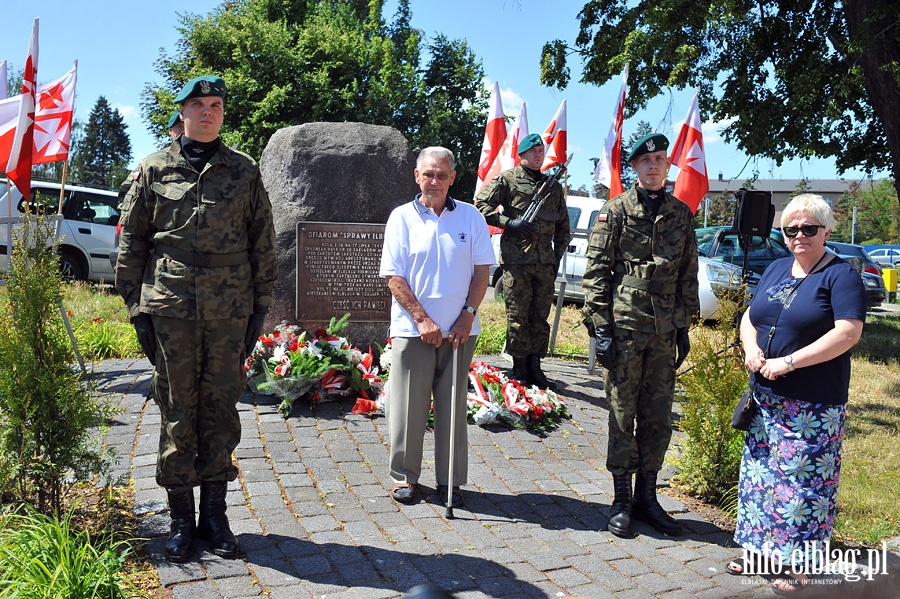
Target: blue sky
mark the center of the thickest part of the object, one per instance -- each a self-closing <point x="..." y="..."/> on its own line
<point x="116" y="44"/>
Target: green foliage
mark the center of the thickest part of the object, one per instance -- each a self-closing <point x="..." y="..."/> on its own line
<point x="877" y="214"/>
<point x="289" y="63"/>
<point x="711" y="453"/>
<point x="792" y="79"/>
<point x="491" y="339"/>
<point x="41" y="557"/>
<point x="48" y="416"/>
<point x="104" y="151"/>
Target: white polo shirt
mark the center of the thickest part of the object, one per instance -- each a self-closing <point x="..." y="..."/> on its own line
<point x="436" y="255"/>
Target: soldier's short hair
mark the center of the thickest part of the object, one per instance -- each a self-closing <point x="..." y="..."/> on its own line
<point x="439" y="153"/>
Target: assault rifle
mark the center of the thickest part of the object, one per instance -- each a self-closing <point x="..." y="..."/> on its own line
<point x="540" y="196"/>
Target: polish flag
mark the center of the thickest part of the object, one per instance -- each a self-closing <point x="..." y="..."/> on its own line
<point x="53" y="118"/>
<point x="494" y="134"/>
<point x="555" y="139"/>
<point x="609" y="167"/>
<point x="508" y="156"/>
<point x="18" y="168"/>
<point x="688" y="155"/>
<point x="3" y="80"/>
<point x="9" y="117"/>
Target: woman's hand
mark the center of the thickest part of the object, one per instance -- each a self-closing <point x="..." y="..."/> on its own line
<point x="774" y="368"/>
<point x="754" y="360"/>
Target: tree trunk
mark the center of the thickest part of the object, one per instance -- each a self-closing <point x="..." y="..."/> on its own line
<point x="873" y="27"/>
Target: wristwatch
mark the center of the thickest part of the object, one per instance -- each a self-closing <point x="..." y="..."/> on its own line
<point x="789" y="360"/>
<point x="470" y="310"/>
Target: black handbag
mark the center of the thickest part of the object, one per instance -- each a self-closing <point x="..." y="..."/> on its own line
<point x="744" y="412"/>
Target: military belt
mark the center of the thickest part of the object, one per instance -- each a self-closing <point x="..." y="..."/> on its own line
<point x="656" y="287"/>
<point x="199" y="258"/>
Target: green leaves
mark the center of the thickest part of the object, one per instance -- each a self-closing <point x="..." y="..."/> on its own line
<point x="289" y="63"/>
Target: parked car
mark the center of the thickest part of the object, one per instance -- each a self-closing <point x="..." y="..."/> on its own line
<point x="887" y="257"/>
<point x="725" y="245"/>
<point x="86" y="231"/>
<point x="717" y="280"/>
<point x="875" y="289"/>
<point x="850" y="249"/>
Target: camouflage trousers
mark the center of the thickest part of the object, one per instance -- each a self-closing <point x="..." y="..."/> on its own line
<point x="640" y="391"/>
<point x="528" y="292"/>
<point x="197" y="383"/>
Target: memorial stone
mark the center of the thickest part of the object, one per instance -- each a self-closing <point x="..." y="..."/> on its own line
<point x="350" y="173"/>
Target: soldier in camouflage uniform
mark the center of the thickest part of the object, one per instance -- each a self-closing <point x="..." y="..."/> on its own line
<point x="641" y="294"/>
<point x="530" y="254"/>
<point x="196" y="267"/>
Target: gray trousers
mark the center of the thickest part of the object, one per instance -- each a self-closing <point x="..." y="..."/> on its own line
<point x="418" y="371"/>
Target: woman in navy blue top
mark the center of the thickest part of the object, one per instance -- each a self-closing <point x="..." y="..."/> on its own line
<point x="807" y="313"/>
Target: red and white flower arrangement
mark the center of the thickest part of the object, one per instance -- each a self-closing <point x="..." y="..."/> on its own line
<point x="493" y="397"/>
<point x="291" y="364"/>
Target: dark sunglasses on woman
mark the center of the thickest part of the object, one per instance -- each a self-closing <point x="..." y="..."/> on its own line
<point x="807" y="230"/>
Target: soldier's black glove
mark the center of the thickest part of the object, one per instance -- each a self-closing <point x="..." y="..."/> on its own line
<point x="522" y="228"/>
<point x="143" y="326"/>
<point x="682" y="346"/>
<point x="254" y="330"/>
<point x="604" y="347"/>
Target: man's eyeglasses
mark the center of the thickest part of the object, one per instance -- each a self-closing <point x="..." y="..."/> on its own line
<point x="807" y="230"/>
<point x="428" y="176"/>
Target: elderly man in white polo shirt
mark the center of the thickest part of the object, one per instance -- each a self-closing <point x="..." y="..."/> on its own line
<point x="436" y="257"/>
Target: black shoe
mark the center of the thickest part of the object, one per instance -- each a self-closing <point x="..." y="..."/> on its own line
<point x="456" y="500"/>
<point x="647" y="509"/>
<point x="620" y="513"/>
<point x="213" y="526"/>
<point x="536" y="376"/>
<point x="519" y="370"/>
<point x="180" y="544"/>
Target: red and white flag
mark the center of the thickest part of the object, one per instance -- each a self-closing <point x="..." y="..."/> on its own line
<point x="9" y="117"/>
<point x="494" y="134"/>
<point x="555" y="139"/>
<point x="53" y="118"/>
<point x="4" y="82"/>
<point x="688" y="155"/>
<point x="609" y="167"/>
<point x="508" y="156"/>
<point x="18" y="167"/>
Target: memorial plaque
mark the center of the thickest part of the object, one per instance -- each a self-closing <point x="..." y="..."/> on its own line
<point x="337" y="272"/>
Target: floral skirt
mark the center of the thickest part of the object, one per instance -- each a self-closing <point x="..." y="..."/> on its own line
<point x="787" y="493"/>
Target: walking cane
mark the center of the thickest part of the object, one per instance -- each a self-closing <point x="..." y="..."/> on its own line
<point x="453" y="386"/>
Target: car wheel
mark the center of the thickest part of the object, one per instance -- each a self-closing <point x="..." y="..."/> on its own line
<point x="70" y="266"/>
<point x="498" y="287"/>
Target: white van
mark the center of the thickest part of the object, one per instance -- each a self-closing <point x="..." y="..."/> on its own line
<point x="87" y="230"/>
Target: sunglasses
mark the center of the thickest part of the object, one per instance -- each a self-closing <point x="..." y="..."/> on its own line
<point x="807" y="230"/>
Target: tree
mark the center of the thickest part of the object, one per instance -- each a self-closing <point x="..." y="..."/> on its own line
<point x="877" y="214"/>
<point x="103" y="152"/>
<point x="807" y="79"/>
<point x="288" y="63"/>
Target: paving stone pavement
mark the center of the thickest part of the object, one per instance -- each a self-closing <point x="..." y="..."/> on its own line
<point x="313" y="517"/>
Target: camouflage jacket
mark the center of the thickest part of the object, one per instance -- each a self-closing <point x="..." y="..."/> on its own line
<point x="513" y="189"/>
<point x="197" y="246"/>
<point x="641" y="271"/>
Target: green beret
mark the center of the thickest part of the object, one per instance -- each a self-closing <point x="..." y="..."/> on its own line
<point x="208" y="85"/>
<point x="529" y="142"/>
<point x="175" y="119"/>
<point x="655" y="142"/>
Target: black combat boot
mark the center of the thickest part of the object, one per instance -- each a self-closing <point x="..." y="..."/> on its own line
<point x="180" y="545"/>
<point x="620" y="514"/>
<point x="536" y="375"/>
<point x="647" y="509"/>
<point x="213" y="525"/>
<point x="519" y="370"/>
